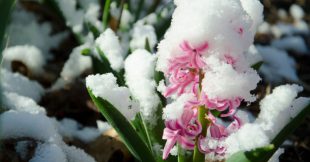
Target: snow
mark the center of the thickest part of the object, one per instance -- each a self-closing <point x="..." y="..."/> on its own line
<point x="277" y="65"/>
<point x="253" y="56"/>
<point x="91" y="15"/>
<point x="191" y="22"/>
<point x="48" y="153"/>
<point x="13" y="101"/>
<point x="76" y="155"/>
<point x="105" y="87"/>
<point x="298" y="105"/>
<point x="240" y="84"/>
<point x="29" y="55"/>
<point x="174" y="151"/>
<point x="276" y="155"/>
<point x="86" y="4"/>
<point x="103" y="126"/>
<point x="74" y="67"/>
<point x="295" y="43"/>
<point x="243" y="139"/>
<point x="73" y="16"/>
<point x="255" y="9"/>
<point x="14" y="82"/>
<point x="73" y="130"/>
<point x="139" y="75"/>
<point x="264" y="28"/>
<point x="282" y="14"/>
<point x="175" y="109"/>
<point x="157" y="149"/>
<point x="140" y="33"/>
<point x="281" y="29"/>
<point x="60" y="153"/>
<point x="17" y="124"/>
<point x="126" y="19"/>
<point x="109" y="44"/>
<point x="275" y="109"/>
<point x="25" y="29"/>
<point x="297" y="12"/>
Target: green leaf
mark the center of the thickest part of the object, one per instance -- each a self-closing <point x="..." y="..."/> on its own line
<point x="257" y="65"/>
<point x="103" y="66"/>
<point x="6" y="7"/>
<point x="127" y="133"/>
<point x="106" y="13"/>
<point x="147" y="45"/>
<point x="86" y="52"/>
<point x="93" y="29"/>
<point x="140" y="129"/>
<point x="257" y="155"/>
<point x="264" y="154"/>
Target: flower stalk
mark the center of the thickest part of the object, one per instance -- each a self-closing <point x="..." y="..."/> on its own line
<point x="198" y="156"/>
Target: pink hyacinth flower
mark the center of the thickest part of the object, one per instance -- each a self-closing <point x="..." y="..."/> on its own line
<point x="183" y="70"/>
<point x="218" y="133"/>
<point x="217" y="148"/>
<point x="223" y="105"/>
<point x="180" y="80"/>
<point x="193" y="54"/>
<point x="217" y="104"/>
<point x="183" y="131"/>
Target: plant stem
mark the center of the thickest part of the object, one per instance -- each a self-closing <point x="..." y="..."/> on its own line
<point x="184" y="156"/>
<point x="202" y="110"/>
<point x="181" y="155"/>
<point x="198" y="156"/>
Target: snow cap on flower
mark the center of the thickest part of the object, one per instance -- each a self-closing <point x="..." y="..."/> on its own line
<point x="224" y="82"/>
<point x="226" y="27"/>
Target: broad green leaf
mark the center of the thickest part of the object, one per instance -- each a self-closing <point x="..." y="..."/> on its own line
<point x="264" y="154"/>
<point x="125" y="130"/>
<point x="257" y="155"/>
<point x="6" y="7"/>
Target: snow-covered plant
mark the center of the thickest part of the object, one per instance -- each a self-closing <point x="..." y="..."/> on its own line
<point x="180" y="101"/>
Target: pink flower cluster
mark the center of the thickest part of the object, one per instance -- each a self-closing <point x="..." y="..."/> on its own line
<point x="184" y="74"/>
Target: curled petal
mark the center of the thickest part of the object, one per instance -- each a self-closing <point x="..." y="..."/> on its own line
<point x="168" y="146"/>
<point x="235" y="125"/>
<point x="187" y="143"/>
<point x="193" y="130"/>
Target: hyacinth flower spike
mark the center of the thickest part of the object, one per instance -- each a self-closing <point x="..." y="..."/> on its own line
<point x="183" y="70"/>
<point x="182" y="131"/>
